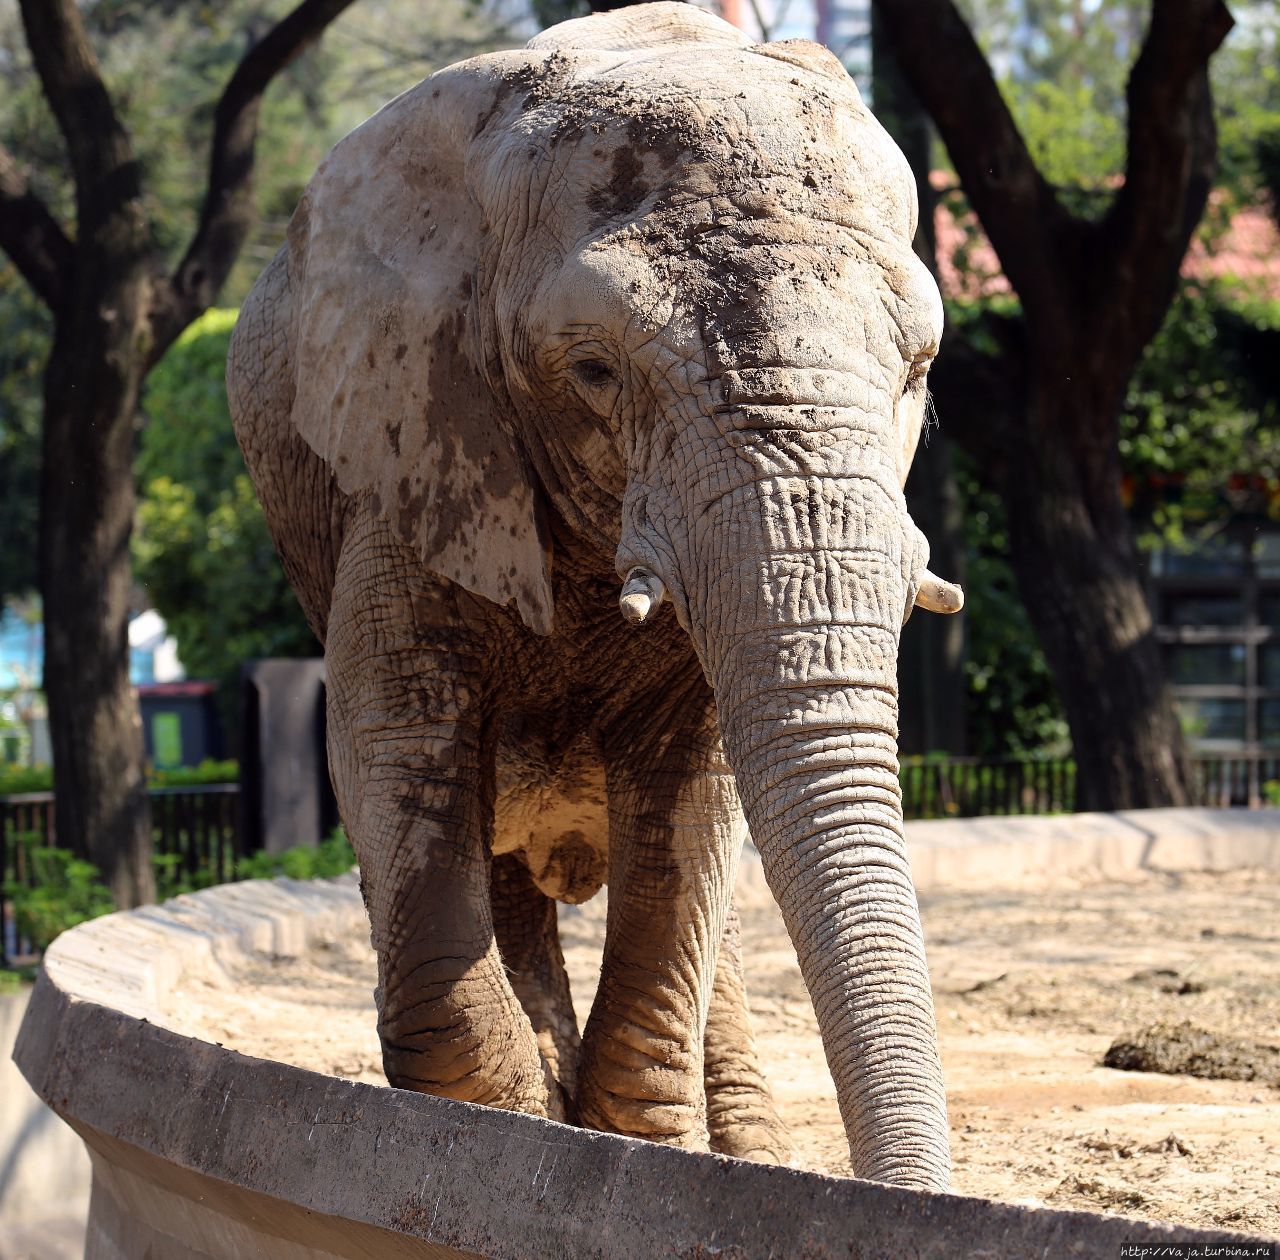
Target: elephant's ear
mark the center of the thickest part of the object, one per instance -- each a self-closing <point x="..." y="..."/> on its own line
<point x="384" y="253"/>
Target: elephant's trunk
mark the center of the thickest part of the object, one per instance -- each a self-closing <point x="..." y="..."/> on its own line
<point x="798" y="586"/>
<point x="816" y="766"/>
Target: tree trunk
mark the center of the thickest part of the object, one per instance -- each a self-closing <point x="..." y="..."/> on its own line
<point x="1078" y="572"/>
<point x="87" y="505"/>
<point x="932" y="687"/>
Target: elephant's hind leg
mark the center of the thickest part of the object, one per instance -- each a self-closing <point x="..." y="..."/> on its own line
<point x="741" y="1117"/>
<point x="413" y="763"/>
<point x="525" y="921"/>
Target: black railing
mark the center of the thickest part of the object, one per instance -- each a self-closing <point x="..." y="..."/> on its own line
<point x="195" y="836"/>
<point x="1251" y="779"/>
<point x="970" y="787"/>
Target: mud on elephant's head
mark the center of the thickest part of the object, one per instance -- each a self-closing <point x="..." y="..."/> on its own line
<point x="672" y="294"/>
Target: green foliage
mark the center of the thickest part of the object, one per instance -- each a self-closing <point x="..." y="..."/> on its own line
<point x="332" y="856"/>
<point x="61" y="891"/>
<point x="1246" y="88"/>
<point x="1081" y="160"/>
<point x="937" y="786"/>
<point x="14" y="779"/>
<point x="201" y="548"/>
<point x="172" y="881"/>
<point x="16" y="979"/>
<point x="208" y="771"/>
<point x="1202" y="410"/>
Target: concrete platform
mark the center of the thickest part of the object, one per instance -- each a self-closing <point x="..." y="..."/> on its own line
<point x="198" y="1151"/>
<point x="1022" y="852"/>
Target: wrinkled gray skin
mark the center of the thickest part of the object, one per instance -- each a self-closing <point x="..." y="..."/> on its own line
<point x="639" y="296"/>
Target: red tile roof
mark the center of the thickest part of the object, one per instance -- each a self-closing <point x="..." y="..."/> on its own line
<point x="1247" y="253"/>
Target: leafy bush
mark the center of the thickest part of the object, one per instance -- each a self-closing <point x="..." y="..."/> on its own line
<point x="208" y="771"/>
<point x="202" y="549"/>
<point x="15" y="779"/>
<point x="332" y="856"/>
<point x="15" y="979"/>
<point x="62" y="891"/>
<point x="172" y="882"/>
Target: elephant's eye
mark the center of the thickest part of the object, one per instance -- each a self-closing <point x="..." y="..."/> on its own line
<point x="594" y="374"/>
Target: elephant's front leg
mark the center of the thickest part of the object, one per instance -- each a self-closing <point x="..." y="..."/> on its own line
<point x="741" y="1115"/>
<point x="674" y="840"/>
<point x="412" y="758"/>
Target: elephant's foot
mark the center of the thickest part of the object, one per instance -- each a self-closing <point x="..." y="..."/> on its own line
<point x="743" y="1122"/>
<point x="648" y="1091"/>
<point x="665" y="1123"/>
<point x="741" y="1116"/>
<point x="469" y="1051"/>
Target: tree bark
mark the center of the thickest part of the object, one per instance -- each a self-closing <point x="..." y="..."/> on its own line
<point x="87" y="505"/>
<point x="86" y="494"/>
<point x="1077" y="569"/>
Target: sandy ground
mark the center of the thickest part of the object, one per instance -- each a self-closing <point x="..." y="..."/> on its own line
<point x="1031" y="990"/>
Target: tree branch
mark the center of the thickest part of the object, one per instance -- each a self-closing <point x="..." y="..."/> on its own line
<point x="949" y="73"/>
<point x="107" y="179"/>
<point x="228" y="214"/>
<point x="1171" y="160"/>
<point x="32" y="237"/>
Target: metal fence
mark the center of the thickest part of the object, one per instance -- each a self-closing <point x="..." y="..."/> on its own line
<point x="966" y="787"/>
<point x="969" y="787"/>
<point x="195" y="834"/>
<point x="1252" y="779"/>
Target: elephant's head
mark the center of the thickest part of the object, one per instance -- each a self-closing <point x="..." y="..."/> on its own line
<point x="662" y="280"/>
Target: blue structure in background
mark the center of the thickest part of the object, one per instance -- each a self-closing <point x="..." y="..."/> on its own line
<point x="22" y="654"/>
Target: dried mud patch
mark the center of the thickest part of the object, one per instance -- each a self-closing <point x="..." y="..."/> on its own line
<point x="1184" y="1050"/>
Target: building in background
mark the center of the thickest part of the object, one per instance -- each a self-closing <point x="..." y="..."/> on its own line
<point x="24" y="725"/>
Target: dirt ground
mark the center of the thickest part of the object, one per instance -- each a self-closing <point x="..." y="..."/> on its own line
<point x="1031" y="990"/>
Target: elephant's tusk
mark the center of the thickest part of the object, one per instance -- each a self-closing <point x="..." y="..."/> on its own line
<point x="642" y="592"/>
<point x="935" y="595"/>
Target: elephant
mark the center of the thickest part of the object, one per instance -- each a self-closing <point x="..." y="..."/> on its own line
<point x="580" y="401"/>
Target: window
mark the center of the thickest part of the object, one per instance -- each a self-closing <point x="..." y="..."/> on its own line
<point x="1212" y="664"/>
<point x="1218" y="615"/>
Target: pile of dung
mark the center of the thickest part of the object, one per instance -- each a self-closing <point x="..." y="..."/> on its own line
<point x="1184" y="1050"/>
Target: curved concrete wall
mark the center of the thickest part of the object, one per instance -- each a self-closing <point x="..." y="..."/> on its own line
<point x="1034" y="851"/>
<point x="198" y="1151"/>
